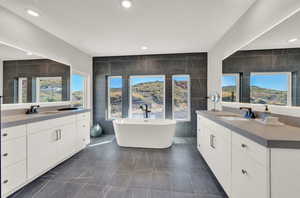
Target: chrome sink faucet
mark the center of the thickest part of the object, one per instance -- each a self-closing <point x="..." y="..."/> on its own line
<point x="33" y="109"/>
<point x="145" y="110"/>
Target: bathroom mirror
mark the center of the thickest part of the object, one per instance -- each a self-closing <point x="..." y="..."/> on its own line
<point x="28" y="78"/>
<point x="267" y="71"/>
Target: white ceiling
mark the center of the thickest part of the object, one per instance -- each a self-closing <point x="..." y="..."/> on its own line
<point x="104" y="28"/>
<point x="278" y="37"/>
<point x="10" y="53"/>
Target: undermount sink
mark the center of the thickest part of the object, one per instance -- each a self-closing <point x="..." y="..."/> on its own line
<point x="233" y="118"/>
<point x="48" y="112"/>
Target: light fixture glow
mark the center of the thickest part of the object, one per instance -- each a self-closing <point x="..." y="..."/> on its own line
<point x="293" y="40"/>
<point x="144" y="47"/>
<point x="29" y="53"/>
<point x="33" y="13"/>
<point x="126" y="3"/>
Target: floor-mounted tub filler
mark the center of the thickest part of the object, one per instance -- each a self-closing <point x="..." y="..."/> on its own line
<point x="144" y="133"/>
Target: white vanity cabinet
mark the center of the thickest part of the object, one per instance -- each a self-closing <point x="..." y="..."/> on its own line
<point x="28" y="151"/>
<point x="246" y="169"/>
<point x="214" y="144"/>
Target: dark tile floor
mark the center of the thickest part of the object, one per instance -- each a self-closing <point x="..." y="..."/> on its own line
<point x="105" y="170"/>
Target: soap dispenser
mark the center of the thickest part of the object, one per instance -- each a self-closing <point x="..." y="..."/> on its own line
<point x="267" y="113"/>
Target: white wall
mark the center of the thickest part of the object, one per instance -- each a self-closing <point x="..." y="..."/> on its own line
<point x="260" y="18"/>
<point x="20" y="33"/>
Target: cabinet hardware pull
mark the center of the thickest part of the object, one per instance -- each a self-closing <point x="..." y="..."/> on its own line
<point x="243" y="145"/>
<point x="5" y="134"/>
<point x="57" y="136"/>
<point x="5" y="181"/>
<point x="244" y="172"/>
<point x="212" y="140"/>
<point x="5" y="154"/>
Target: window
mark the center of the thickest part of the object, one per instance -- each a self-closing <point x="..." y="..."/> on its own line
<point x="181" y="97"/>
<point x="270" y="88"/>
<point x="22" y="91"/>
<point x="230" y="88"/>
<point x="115" y="86"/>
<point x="49" y="89"/>
<point x="148" y="90"/>
<point x="78" y="90"/>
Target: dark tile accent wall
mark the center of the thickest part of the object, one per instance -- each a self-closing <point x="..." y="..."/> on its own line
<point x="30" y="69"/>
<point x="277" y="60"/>
<point x="194" y="64"/>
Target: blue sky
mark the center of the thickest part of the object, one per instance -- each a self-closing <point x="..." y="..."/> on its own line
<point x="135" y="81"/>
<point x="116" y="82"/>
<point x="77" y="82"/>
<point x="228" y="80"/>
<point x="276" y="81"/>
<point x="180" y="78"/>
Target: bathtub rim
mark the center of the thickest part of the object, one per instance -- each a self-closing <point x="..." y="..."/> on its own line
<point x="131" y="121"/>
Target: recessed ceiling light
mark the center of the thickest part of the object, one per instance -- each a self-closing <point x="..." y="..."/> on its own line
<point x="144" y="47"/>
<point x="126" y="3"/>
<point x="293" y="40"/>
<point x="33" y="13"/>
<point x="29" y="53"/>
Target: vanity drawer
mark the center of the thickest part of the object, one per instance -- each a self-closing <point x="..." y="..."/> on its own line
<point x="249" y="178"/>
<point x="13" y="176"/>
<point x="13" y="151"/>
<point x="50" y="124"/>
<point x="13" y="132"/>
<point x="83" y="116"/>
<point x="249" y="148"/>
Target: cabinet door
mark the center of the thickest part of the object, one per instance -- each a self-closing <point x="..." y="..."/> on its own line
<point x="42" y="147"/>
<point x="67" y="142"/>
<point x="220" y="159"/>
<point x="202" y="136"/>
<point x="249" y="178"/>
<point x="83" y="134"/>
<point x="215" y="147"/>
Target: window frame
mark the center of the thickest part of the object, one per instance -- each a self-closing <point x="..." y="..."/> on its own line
<point x="108" y="114"/>
<point x="237" y="81"/>
<point x="85" y="87"/>
<point x="289" y="94"/>
<point x="20" y="89"/>
<point x="38" y="87"/>
<point x="189" y="96"/>
<point x="130" y="93"/>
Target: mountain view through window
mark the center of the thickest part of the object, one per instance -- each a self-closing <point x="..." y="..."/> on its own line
<point x="269" y="89"/>
<point x="148" y="90"/>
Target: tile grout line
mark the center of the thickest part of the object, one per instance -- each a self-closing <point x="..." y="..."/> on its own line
<point x="44" y="186"/>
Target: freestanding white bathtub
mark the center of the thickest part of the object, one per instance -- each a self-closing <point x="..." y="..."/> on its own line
<point x="144" y="133"/>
